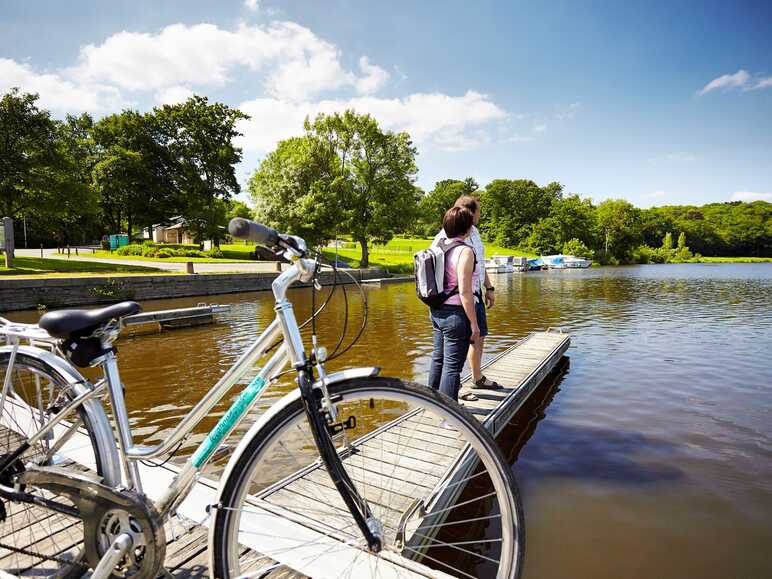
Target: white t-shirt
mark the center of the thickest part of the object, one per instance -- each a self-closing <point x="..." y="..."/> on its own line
<point x="479" y="251"/>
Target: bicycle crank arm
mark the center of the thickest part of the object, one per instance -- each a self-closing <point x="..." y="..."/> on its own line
<point x="113" y="556"/>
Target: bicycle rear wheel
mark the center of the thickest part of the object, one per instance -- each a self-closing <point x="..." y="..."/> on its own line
<point x="33" y="539"/>
<point x="440" y="492"/>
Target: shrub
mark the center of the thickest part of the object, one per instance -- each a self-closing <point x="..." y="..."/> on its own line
<point x="215" y="252"/>
<point x="184" y="252"/>
<point x="104" y="245"/>
<point x="577" y="248"/>
<point x="132" y="249"/>
<point x="165" y="252"/>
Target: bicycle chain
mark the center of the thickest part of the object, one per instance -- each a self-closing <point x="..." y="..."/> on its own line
<point x="54" y="558"/>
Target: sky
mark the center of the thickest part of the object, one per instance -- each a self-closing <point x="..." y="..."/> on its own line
<point x="659" y="103"/>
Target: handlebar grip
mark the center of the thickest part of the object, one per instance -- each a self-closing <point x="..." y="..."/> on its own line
<point x="251" y="231"/>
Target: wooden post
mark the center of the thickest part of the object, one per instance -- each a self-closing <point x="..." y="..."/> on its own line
<point x="6" y="243"/>
<point x="190" y="267"/>
<point x="41" y="251"/>
<point x="76" y="250"/>
<point x="68" y="251"/>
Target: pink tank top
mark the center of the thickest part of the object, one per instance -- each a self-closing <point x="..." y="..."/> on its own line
<point x="451" y="272"/>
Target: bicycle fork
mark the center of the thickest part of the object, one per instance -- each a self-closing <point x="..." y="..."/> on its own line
<point x="370" y="527"/>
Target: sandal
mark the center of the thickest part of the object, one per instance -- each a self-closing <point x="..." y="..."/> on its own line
<point x="485" y="384"/>
<point x="468" y="396"/>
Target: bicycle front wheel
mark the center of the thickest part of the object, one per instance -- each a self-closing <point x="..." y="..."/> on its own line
<point x="442" y="496"/>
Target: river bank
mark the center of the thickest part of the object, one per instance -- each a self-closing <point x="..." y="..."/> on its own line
<point x="32" y="293"/>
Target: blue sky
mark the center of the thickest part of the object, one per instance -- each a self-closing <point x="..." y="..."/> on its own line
<point x="656" y="102"/>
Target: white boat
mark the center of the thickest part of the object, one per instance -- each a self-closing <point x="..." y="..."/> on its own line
<point x="506" y="263"/>
<point x="565" y="262"/>
<point x="572" y="262"/>
<point x="500" y="264"/>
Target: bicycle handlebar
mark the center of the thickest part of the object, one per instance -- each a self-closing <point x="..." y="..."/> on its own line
<point x="245" y="229"/>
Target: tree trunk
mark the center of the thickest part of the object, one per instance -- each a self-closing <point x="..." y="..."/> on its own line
<point x="129" y="225"/>
<point x="365" y="261"/>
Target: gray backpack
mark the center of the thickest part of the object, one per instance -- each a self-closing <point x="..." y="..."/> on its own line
<point x="429" y="269"/>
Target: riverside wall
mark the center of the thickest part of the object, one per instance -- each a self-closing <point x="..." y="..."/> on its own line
<point x="31" y="293"/>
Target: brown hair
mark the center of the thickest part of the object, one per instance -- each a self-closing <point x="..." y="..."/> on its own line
<point x="469" y="201"/>
<point x="457" y="221"/>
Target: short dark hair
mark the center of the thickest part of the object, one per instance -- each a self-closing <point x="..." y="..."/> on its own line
<point x="469" y="201"/>
<point x="457" y="221"/>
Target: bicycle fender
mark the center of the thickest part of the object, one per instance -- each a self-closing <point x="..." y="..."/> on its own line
<point x="96" y="413"/>
<point x="284" y="401"/>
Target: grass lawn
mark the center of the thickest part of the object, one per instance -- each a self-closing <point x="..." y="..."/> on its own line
<point x="397" y="255"/>
<point x="56" y="267"/>
<point x="734" y="260"/>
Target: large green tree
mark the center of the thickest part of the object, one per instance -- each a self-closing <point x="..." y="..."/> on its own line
<point x="511" y="207"/>
<point x="436" y="202"/>
<point x="345" y="175"/>
<point x="619" y="229"/>
<point x="28" y="153"/>
<point x="199" y="137"/>
<point x="132" y="172"/>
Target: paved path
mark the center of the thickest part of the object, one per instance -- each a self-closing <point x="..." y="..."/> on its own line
<point x="199" y="267"/>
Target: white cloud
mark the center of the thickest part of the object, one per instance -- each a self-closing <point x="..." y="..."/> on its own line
<point x="447" y="122"/>
<point x="174" y="95"/>
<point x="253" y="5"/>
<point x="287" y="65"/>
<point x="677" y="157"/>
<point x="737" y="80"/>
<point x="764" y="83"/>
<point x="750" y="196"/>
<point x="57" y="92"/>
<point x="374" y="77"/>
<point x="296" y="63"/>
<point x="568" y="112"/>
<point x="658" y="194"/>
<point x="740" y="80"/>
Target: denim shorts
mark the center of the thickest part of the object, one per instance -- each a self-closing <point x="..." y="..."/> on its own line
<point x="482" y="318"/>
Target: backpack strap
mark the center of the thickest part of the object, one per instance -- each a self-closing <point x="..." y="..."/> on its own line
<point x="454" y="244"/>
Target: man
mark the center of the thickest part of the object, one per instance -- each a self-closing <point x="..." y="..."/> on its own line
<point x="485" y="293"/>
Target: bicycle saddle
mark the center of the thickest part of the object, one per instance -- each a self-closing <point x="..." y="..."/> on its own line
<point x="72" y="323"/>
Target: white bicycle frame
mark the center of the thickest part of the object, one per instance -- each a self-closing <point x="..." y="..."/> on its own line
<point x="123" y="468"/>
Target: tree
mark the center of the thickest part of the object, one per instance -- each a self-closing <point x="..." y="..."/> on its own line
<point x="345" y="175"/>
<point x="578" y="248"/>
<point x="436" y="202"/>
<point x="290" y="191"/>
<point x="619" y="229"/>
<point x="238" y="209"/>
<point x="28" y="153"/>
<point x="199" y="139"/>
<point x="372" y="175"/>
<point x="131" y="172"/>
<point x="510" y="207"/>
<point x="667" y="242"/>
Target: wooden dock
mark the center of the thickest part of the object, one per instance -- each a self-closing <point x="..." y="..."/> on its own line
<point x="305" y="509"/>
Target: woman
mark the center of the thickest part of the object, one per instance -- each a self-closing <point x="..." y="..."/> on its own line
<point x="455" y="323"/>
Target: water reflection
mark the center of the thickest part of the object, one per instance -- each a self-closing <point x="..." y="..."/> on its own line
<point x="650" y="457"/>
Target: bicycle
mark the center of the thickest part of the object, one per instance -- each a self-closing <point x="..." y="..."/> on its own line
<point x="334" y="480"/>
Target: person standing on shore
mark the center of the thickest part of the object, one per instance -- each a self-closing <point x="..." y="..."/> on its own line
<point x="484" y="297"/>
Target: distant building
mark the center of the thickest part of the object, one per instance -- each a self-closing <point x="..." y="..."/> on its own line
<point x="173" y="231"/>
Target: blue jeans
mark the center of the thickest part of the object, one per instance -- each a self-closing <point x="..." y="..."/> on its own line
<point x="452" y="331"/>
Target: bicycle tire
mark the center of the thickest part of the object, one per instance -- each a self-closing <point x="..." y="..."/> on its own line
<point x="42" y="539"/>
<point x="231" y="533"/>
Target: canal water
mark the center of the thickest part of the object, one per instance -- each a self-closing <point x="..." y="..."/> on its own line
<point x="648" y="454"/>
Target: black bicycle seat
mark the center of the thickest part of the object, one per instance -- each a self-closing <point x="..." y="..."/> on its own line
<point x="74" y="323"/>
